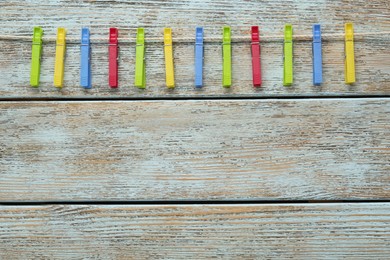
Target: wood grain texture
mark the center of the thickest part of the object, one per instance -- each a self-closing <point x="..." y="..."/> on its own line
<point x="188" y="150"/>
<point x="372" y="53"/>
<point x="276" y="150"/>
<point x="293" y="231"/>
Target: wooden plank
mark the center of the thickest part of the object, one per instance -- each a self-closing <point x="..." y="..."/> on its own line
<point x="187" y="150"/>
<point x="372" y="52"/>
<point x="293" y="231"/>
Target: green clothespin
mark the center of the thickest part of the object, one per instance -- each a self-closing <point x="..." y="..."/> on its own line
<point x="288" y="55"/>
<point x="227" y="57"/>
<point x="36" y="56"/>
<point x="140" y="69"/>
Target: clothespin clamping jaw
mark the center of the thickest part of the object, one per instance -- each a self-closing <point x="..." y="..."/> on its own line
<point x="349" y="55"/>
<point x="85" y="59"/>
<point x="113" y="58"/>
<point x="168" y="52"/>
<point x="227" y="58"/>
<point x="256" y="64"/>
<point x="36" y="53"/>
<point x="60" y="58"/>
<point x="199" y="57"/>
<point x="288" y="55"/>
<point x="317" y="55"/>
<point x="140" y="68"/>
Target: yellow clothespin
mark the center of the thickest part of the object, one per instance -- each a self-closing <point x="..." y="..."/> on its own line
<point x="349" y="55"/>
<point x="168" y="52"/>
<point x="60" y="57"/>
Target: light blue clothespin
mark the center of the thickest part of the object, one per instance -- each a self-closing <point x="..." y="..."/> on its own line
<point x="85" y="59"/>
<point x="317" y="55"/>
<point x="199" y="57"/>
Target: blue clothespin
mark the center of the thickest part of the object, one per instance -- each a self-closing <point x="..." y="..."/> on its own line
<point x="199" y="57"/>
<point x="317" y="55"/>
<point x="85" y="62"/>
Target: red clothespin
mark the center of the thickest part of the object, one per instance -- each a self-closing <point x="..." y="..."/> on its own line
<point x="113" y="58"/>
<point x="256" y="64"/>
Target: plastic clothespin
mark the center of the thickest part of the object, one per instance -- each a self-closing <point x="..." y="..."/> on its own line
<point x="60" y="58"/>
<point x="140" y="68"/>
<point x="85" y="59"/>
<point x="168" y="52"/>
<point x="227" y="57"/>
<point x="349" y="55"/>
<point x="36" y="56"/>
<point x="256" y="64"/>
<point x="113" y="58"/>
<point x="288" y="55"/>
<point x="199" y="57"/>
<point x="317" y="55"/>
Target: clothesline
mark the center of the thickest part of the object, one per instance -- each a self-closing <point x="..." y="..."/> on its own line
<point x="213" y="39"/>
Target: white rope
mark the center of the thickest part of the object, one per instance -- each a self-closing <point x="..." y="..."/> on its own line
<point x="247" y="38"/>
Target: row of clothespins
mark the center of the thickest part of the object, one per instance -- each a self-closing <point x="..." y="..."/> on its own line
<point x="140" y="73"/>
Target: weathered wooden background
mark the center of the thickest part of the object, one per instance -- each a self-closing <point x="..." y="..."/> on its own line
<point x="373" y="69"/>
<point x="301" y="172"/>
